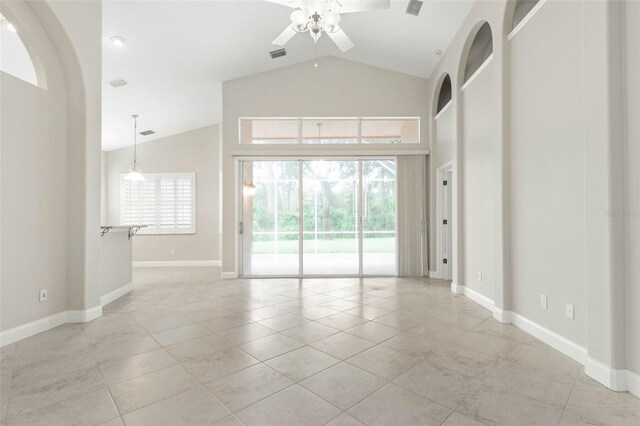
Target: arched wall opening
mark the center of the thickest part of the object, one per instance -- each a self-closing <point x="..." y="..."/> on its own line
<point x="18" y="56"/>
<point x="556" y="247"/>
<point x="521" y="9"/>
<point x="43" y="143"/>
<point x="480" y="50"/>
<point x="441" y="157"/>
<point x="444" y="94"/>
<point x="479" y="142"/>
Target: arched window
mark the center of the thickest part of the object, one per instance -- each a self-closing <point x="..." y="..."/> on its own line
<point x="444" y="97"/>
<point x="14" y="58"/>
<point x="481" y="49"/>
<point x="522" y="9"/>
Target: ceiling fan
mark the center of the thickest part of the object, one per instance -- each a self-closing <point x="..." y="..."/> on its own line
<point x="323" y="16"/>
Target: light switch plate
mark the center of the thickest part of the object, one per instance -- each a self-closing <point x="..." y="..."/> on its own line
<point x="543" y="301"/>
<point x="570" y="311"/>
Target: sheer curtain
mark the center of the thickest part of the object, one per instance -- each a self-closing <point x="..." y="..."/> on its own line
<point x="412" y="215"/>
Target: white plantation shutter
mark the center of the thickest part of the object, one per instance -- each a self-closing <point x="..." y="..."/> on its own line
<point x="184" y="203"/>
<point x="165" y="202"/>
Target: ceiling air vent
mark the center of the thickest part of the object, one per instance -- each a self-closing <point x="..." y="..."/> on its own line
<point x="147" y="133"/>
<point x="278" y="53"/>
<point x="414" y="7"/>
<point x="118" y="83"/>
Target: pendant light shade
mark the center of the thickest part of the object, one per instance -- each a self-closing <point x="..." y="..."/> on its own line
<point x="134" y="174"/>
<point x="249" y="189"/>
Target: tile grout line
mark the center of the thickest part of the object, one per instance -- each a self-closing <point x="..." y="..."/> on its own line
<point x="564" y="410"/>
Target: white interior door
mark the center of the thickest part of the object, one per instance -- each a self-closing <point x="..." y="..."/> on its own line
<point x="446" y="225"/>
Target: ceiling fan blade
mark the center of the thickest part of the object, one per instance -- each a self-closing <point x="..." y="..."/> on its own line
<point x="284" y="36"/>
<point x="289" y="3"/>
<point x="341" y="40"/>
<point x="349" y="6"/>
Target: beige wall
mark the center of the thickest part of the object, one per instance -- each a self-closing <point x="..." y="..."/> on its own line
<point x="50" y="141"/>
<point x="104" y="212"/>
<point x="480" y="147"/>
<point x="34" y="202"/>
<point x="194" y="151"/>
<point x="337" y="88"/>
<point x="115" y="260"/>
<point x="632" y="207"/>
<point x="75" y="27"/>
<point x="547" y="169"/>
<point x="548" y="119"/>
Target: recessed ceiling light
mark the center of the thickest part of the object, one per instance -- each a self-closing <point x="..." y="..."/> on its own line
<point x="118" y="83"/>
<point x="11" y="27"/>
<point x="117" y="41"/>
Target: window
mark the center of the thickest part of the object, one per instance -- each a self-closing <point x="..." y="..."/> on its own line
<point x="444" y="97"/>
<point x="270" y="131"/>
<point x="522" y="9"/>
<point x="14" y="57"/>
<point x="165" y="202"/>
<point x="480" y="51"/>
<point x="329" y="130"/>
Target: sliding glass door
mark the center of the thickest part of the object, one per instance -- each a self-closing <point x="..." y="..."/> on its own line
<point x="379" y="217"/>
<point x="269" y="226"/>
<point x="330" y="218"/>
<point x="318" y="217"/>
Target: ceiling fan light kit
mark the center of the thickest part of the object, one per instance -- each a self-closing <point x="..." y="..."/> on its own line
<point x="323" y="16"/>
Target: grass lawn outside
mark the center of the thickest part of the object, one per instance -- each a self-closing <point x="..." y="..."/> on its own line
<point x="337" y="245"/>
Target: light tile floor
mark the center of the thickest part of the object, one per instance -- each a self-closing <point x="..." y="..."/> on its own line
<point x="187" y="348"/>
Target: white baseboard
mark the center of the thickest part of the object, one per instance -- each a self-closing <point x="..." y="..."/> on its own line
<point x="163" y="263"/>
<point x="457" y="288"/>
<point x="502" y="316"/>
<point x="228" y="275"/>
<point x="559" y="343"/>
<point x="84" y="316"/>
<point x="47" y="323"/>
<point x="434" y="274"/>
<point x="633" y="383"/>
<point x="116" y="294"/>
<point x="478" y="298"/>
<point x="552" y="339"/>
<point x="32" y="328"/>
<point x="617" y="380"/>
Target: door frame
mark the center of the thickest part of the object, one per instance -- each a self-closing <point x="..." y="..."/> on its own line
<point x="441" y="175"/>
<point x="239" y="160"/>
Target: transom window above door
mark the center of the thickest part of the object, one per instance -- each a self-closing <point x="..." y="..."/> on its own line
<point x="347" y="130"/>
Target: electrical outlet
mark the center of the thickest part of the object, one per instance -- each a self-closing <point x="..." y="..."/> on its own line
<point x="480" y="276"/>
<point x="44" y="294"/>
<point x="173" y="252"/>
<point x="543" y="301"/>
<point x="569" y="311"/>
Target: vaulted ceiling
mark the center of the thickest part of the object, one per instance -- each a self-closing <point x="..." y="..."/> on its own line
<point x="178" y="53"/>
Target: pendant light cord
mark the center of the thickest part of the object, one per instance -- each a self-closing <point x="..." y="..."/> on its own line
<point x="135" y="140"/>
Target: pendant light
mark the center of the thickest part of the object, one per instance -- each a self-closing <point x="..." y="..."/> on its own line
<point x="249" y="189"/>
<point x="134" y="174"/>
